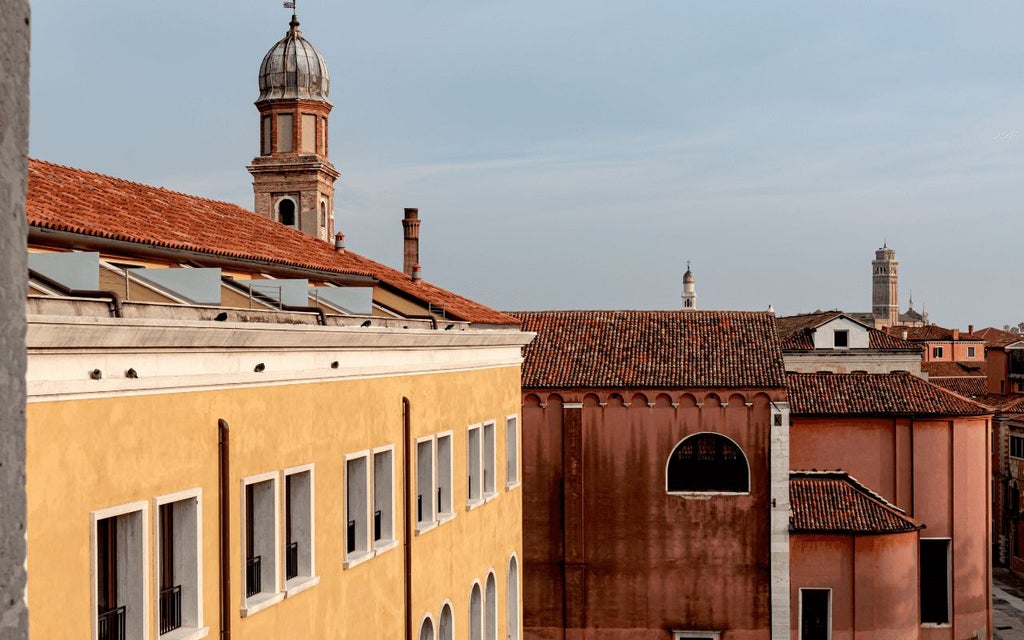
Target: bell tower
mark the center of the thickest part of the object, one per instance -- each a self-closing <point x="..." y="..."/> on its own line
<point x="293" y="179"/>
<point x="689" y="290"/>
<point x="885" y="304"/>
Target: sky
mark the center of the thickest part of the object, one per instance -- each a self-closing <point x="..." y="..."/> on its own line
<point x="575" y="154"/>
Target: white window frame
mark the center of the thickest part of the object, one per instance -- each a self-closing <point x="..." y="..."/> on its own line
<point x="491" y="606"/>
<point x="800" y="611"/>
<point x="269" y="594"/>
<point x="363" y="548"/>
<point x="490" y="460"/>
<point x="427" y="622"/>
<point x="971" y="352"/>
<point x="444" y="476"/>
<point x="425" y="499"/>
<point x="512" y="452"/>
<point x="309" y="578"/>
<point x="192" y="571"/>
<point x="451" y="621"/>
<point x="474" y="466"/>
<point x="140" y="598"/>
<point x="476" y="631"/>
<point x="835" y="338"/>
<point x="513" y="600"/>
<point x="937" y="352"/>
<point x="388" y="538"/>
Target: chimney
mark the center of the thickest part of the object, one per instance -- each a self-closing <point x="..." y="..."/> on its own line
<point x="956" y="334"/>
<point x="411" y="225"/>
<point x="339" y="242"/>
<point x="417" y="273"/>
<point x="970" y="329"/>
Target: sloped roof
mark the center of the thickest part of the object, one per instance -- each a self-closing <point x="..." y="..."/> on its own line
<point x="795" y="332"/>
<point x="890" y="394"/>
<point x="92" y="204"/>
<point x="834" y="502"/>
<point x="930" y="333"/>
<point x="943" y="369"/>
<point x="966" y="387"/>
<point x="1007" y="403"/>
<point x="651" y="349"/>
<point x="997" y="337"/>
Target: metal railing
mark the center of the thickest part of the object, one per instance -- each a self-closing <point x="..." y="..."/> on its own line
<point x="110" y="624"/>
<point x="170" y="609"/>
<point x="252" y="576"/>
<point x="291" y="561"/>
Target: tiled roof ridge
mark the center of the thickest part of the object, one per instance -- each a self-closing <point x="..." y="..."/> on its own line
<point x="135" y="183"/>
<point x="857" y="484"/>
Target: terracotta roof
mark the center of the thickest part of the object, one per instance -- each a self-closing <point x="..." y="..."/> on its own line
<point x="91" y="204"/>
<point x="966" y="387"/>
<point x="930" y="333"/>
<point x="834" y="502"/>
<point x="651" y="349"/>
<point x="955" y="369"/>
<point x="997" y="337"/>
<point x="1010" y="403"/>
<point x="903" y="394"/>
<point x="796" y="332"/>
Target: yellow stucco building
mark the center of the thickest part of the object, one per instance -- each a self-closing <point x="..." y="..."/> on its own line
<point x="238" y="430"/>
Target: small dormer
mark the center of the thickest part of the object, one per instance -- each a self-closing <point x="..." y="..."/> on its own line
<point x="841" y="333"/>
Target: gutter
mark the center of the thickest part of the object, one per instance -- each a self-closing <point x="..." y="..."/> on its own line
<point x="115" y="299"/>
<point x="225" y="547"/>
<point x="407" y="548"/>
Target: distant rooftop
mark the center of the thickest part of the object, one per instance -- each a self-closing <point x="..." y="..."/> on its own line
<point x="835" y="502"/>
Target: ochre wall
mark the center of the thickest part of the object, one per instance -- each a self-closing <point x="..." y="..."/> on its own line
<point x="637" y="561"/>
<point x="86" y="455"/>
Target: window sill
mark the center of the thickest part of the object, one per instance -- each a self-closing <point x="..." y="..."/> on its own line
<point x="299" y="584"/>
<point x="936" y="625"/>
<point x="381" y="546"/>
<point x="356" y="558"/>
<point x="473" y="504"/>
<point x="186" y="633"/>
<point x="705" y="495"/>
<point x="445" y="517"/>
<point x="259" y="602"/>
<point x="512" y="485"/>
<point x="423" y="527"/>
<point x="491" y="495"/>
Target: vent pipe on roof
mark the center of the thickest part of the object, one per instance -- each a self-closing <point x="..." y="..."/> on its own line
<point x="417" y="272"/>
<point x="339" y="242"/>
<point x="411" y="259"/>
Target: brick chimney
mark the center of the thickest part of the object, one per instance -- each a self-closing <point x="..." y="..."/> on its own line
<point x="411" y="225"/>
<point x="956" y="334"/>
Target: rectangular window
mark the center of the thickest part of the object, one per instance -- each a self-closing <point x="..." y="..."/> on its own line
<point x="970" y="352"/>
<point x="356" y="507"/>
<point x="511" y="451"/>
<point x="474" y="490"/>
<point x="936" y="352"/>
<point x="1017" y="447"/>
<point x="265" y="138"/>
<point x="178" y="522"/>
<point x="308" y="133"/>
<point x="298" y="526"/>
<point x="259" y="508"/>
<point x="119" y="548"/>
<point x="444" y="475"/>
<point x="383" y="497"/>
<point x="841" y="338"/>
<point x="425" y="483"/>
<point x="490" y="460"/>
<point x="935" y="580"/>
<point x="815" y="614"/>
<point x="284" y="132"/>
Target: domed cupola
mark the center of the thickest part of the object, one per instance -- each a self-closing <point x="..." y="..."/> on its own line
<point x="293" y="178"/>
<point x="293" y="68"/>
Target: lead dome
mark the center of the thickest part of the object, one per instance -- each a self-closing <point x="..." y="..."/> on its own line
<point x="294" y="69"/>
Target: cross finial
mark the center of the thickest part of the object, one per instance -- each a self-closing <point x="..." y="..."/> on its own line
<point x="687" y="265"/>
<point x="294" y="24"/>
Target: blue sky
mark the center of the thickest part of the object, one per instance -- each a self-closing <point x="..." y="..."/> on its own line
<point x="575" y="154"/>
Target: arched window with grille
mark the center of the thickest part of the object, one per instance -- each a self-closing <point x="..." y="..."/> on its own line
<point x="707" y="463"/>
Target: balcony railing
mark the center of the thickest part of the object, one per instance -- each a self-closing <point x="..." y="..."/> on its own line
<point x="291" y="561"/>
<point x="170" y="609"/>
<point x="110" y="624"/>
<point x="252" y="576"/>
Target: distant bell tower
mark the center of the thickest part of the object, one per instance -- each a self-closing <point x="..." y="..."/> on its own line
<point x="293" y="180"/>
<point x="885" y="305"/>
<point x="689" y="290"/>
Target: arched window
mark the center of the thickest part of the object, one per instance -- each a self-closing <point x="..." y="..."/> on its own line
<point x="427" y="629"/>
<point x="512" y="595"/>
<point x="491" y="618"/>
<point x="475" y="614"/>
<point x="323" y="214"/>
<point x="286" y="212"/>
<point x="446" y="626"/>
<point x="708" y="463"/>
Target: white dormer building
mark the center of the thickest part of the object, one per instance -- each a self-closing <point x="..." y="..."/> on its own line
<point x="833" y="341"/>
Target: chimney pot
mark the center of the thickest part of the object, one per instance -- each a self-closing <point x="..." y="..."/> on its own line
<point x="411" y="253"/>
<point x="339" y="242"/>
<point x="417" y="273"/>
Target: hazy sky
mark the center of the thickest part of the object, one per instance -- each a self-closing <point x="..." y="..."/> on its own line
<point x="574" y="154"/>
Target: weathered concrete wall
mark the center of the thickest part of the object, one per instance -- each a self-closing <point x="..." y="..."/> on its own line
<point x="14" y="47"/>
